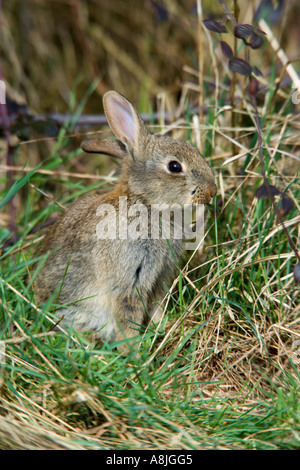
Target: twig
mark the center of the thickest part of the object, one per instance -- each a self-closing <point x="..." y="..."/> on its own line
<point x="58" y="173"/>
<point x="228" y="12"/>
<point x="234" y="81"/>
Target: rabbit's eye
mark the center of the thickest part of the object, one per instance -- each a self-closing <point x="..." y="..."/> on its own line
<point x="174" y="167"/>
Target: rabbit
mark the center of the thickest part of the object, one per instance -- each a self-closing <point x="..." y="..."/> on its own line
<point x="110" y="287"/>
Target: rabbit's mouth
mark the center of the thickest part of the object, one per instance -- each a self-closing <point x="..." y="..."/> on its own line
<point x="203" y="195"/>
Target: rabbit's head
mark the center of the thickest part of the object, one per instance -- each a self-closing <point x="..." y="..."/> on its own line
<point x="156" y="169"/>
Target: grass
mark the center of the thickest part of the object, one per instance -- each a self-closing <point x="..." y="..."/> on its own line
<point x="222" y="370"/>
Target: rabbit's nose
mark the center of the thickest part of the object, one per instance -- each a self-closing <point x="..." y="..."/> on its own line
<point x="212" y="190"/>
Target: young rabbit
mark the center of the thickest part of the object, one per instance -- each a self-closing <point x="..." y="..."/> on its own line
<point x="110" y="286"/>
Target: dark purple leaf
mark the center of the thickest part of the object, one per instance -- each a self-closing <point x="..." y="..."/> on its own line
<point x="286" y="205"/>
<point x="240" y="66"/>
<point x="226" y="49"/>
<point x="257" y="72"/>
<point x="297" y="272"/>
<point x="161" y="13"/>
<point x="243" y="31"/>
<point x="255" y="41"/>
<point x="215" y="26"/>
<point x="265" y="191"/>
<point x="253" y="86"/>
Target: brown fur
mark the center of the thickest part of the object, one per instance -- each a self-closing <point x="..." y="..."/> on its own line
<point x="111" y="286"/>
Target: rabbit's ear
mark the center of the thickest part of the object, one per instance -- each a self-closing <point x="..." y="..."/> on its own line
<point x="111" y="147"/>
<point x="123" y="120"/>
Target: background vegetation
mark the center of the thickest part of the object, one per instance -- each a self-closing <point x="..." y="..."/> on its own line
<point x="222" y="370"/>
